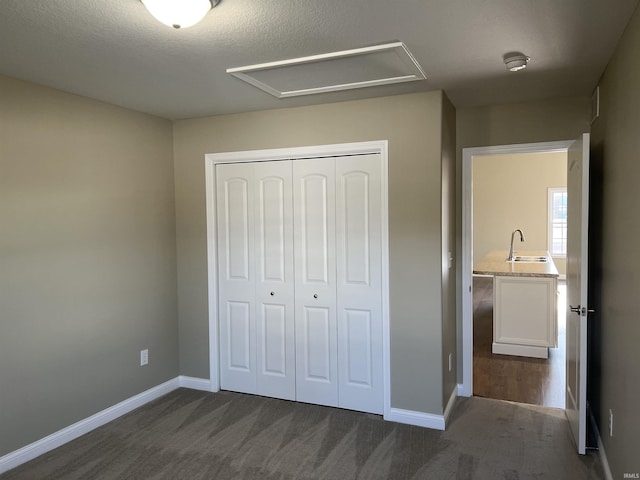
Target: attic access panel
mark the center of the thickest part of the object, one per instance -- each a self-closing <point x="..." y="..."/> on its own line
<point x="330" y="72"/>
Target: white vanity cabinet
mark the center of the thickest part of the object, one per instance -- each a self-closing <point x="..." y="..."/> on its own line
<point x="525" y="315"/>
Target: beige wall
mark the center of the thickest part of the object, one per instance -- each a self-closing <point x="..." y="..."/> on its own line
<point x="540" y="121"/>
<point x="511" y="191"/>
<point x="449" y="347"/>
<point x="615" y="261"/>
<point x="87" y="258"/>
<point x="412" y="124"/>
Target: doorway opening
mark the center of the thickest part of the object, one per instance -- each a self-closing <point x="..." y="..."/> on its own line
<point x="505" y="188"/>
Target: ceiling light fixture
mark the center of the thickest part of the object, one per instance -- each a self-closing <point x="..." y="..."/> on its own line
<point x="515" y="61"/>
<point x="179" y="13"/>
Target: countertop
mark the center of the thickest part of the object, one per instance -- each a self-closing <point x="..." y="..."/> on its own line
<point x="494" y="263"/>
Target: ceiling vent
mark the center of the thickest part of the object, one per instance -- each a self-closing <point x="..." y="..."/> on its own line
<point x="331" y="72"/>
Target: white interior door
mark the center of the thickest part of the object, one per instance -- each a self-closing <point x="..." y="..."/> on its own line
<point x="274" y="286"/>
<point x="577" y="301"/>
<point x="359" y="283"/>
<point x="315" y="289"/>
<point x="236" y="274"/>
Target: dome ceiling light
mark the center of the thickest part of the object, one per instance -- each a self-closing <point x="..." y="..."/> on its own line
<point x="515" y="61"/>
<point x="179" y="13"/>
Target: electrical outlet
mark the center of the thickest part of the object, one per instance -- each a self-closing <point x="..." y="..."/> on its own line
<point x="450" y="361"/>
<point x="610" y="423"/>
<point x="144" y="357"/>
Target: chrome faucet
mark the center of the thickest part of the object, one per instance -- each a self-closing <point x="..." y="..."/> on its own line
<point x="511" y="258"/>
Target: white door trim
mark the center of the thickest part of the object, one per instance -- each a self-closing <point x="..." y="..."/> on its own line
<point x="211" y="159"/>
<point x="466" y="389"/>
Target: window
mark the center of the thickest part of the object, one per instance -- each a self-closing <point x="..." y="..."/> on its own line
<point x="558" y="222"/>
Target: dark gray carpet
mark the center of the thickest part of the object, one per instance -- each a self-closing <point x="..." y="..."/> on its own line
<point x="195" y="435"/>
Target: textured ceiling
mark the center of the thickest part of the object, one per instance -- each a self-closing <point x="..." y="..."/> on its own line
<point x="115" y="51"/>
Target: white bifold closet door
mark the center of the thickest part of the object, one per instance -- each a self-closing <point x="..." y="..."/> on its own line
<point x="300" y="280"/>
<point x="255" y="272"/>
<point x="315" y="271"/>
<point x="338" y="290"/>
<point x="359" y="282"/>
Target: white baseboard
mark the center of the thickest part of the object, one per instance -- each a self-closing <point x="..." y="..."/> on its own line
<point x="464" y="390"/>
<point x="195" y="383"/>
<point x="56" y="439"/>
<point x="419" y="419"/>
<point x="520" y="350"/>
<point x="601" y="452"/>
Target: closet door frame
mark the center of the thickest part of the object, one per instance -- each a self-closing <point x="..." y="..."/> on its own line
<point x="380" y="147"/>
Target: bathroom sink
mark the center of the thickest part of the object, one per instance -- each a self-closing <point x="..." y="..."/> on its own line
<point x="530" y="259"/>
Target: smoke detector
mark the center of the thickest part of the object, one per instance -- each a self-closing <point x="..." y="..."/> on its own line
<point x="515" y="61"/>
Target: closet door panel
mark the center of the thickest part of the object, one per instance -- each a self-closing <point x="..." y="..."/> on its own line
<point x="358" y="352"/>
<point x="236" y="274"/>
<point x="359" y="282"/>
<point x="239" y="336"/>
<point x="273" y="217"/>
<point x="273" y="342"/>
<point x="315" y="290"/>
<point x="274" y="280"/>
<point x="316" y="326"/>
